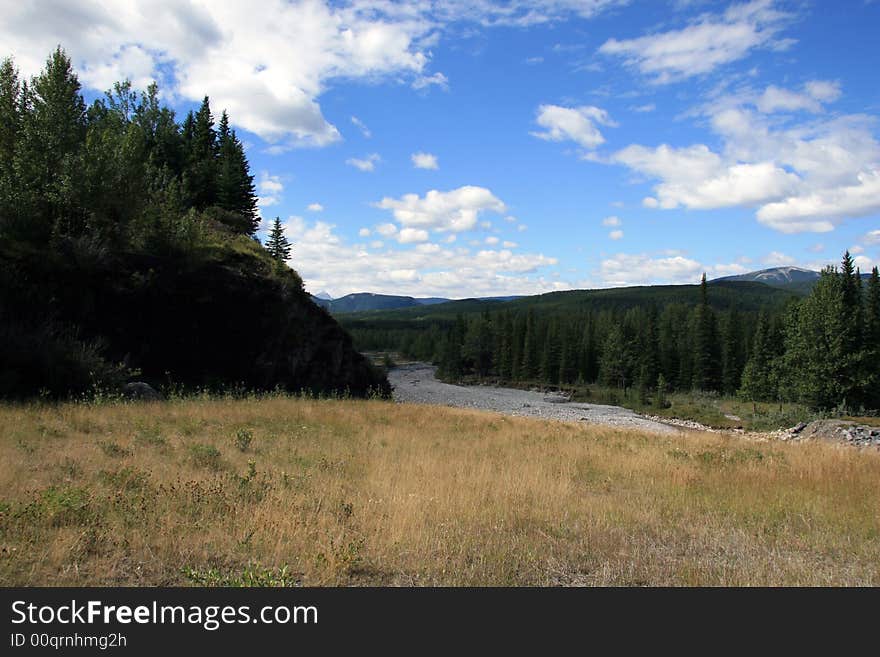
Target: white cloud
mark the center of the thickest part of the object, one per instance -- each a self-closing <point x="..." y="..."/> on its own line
<point x="575" y="124"/>
<point x="426" y="81"/>
<point x="366" y="164"/>
<point x="377" y="244"/>
<point x="616" y="234"/>
<point x="410" y="235"/>
<point x="456" y="210"/>
<point x="522" y="228"/>
<point x="509" y="245"/>
<point x="856" y="249"/>
<point x="611" y="221"/>
<point x="365" y="131"/>
<point x="642" y="109"/>
<point x="775" y="99"/>
<point x="777" y="259"/>
<point x="364" y="232"/>
<point x="643" y="269"/>
<point x="492" y="240"/>
<point x="386" y="230"/>
<point x="706" y="44"/>
<point x="799" y="177"/>
<point x="269" y="188"/>
<point x="326" y="261"/>
<point x="816" y="210"/>
<point x="871" y="237"/>
<point x="315" y="207"/>
<point x="695" y="177"/>
<point x="825" y="91"/>
<point x="424" y="161"/>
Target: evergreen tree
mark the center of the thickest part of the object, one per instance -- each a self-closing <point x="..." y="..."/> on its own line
<point x="819" y="365"/>
<point x="278" y="244"/>
<point x="53" y="129"/>
<point x="235" y="185"/>
<point x="706" y="364"/>
<point x="758" y="382"/>
<point x="201" y="157"/>
<point x="872" y="341"/>
<point x="731" y="353"/>
<point x="613" y="365"/>
<point x="10" y="126"/>
<point x="529" y="368"/>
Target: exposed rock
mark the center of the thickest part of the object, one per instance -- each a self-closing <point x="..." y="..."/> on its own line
<point x="844" y="431"/>
<point x="140" y="391"/>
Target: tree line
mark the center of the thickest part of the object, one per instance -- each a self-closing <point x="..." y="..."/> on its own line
<point x="823" y="350"/>
<point x="122" y="171"/>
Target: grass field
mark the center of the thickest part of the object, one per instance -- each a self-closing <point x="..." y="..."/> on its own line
<point x="283" y="491"/>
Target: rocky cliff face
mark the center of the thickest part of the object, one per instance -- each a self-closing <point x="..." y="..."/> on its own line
<point x="224" y="318"/>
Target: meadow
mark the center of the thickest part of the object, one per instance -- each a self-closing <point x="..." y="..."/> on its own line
<point x="281" y="491"/>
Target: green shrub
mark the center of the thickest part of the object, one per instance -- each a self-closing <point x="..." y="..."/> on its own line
<point x="205" y="456"/>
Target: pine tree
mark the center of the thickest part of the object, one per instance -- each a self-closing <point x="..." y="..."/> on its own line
<point x="235" y="185"/>
<point x="278" y="244"/>
<point x="872" y="341"/>
<point x="529" y="367"/>
<point x="706" y="365"/>
<point x="819" y="364"/>
<point x="757" y="378"/>
<point x="201" y="157"/>
<point x="10" y="125"/>
<point x="53" y="130"/>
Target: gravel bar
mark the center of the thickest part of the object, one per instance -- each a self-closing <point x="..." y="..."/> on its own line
<point x="415" y="383"/>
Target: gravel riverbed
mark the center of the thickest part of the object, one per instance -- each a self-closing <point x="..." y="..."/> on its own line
<point x="416" y="383"/>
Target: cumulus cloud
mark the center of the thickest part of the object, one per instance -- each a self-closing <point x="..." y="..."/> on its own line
<point x="367" y="163"/>
<point x="269" y="188"/>
<point x="816" y="210"/>
<point x="871" y="237"/>
<point x="777" y="259"/>
<point x="424" y="161"/>
<point x="577" y="124"/>
<point x="799" y="176"/>
<point x="611" y="221"/>
<point x="364" y="232"/>
<point x="643" y="269"/>
<point x="456" y="210"/>
<point x="386" y="230"/>
<point x="410" y="235"/>
<point x="325" y="260"/>
<point x="825" y="91"/>
<point x="616" y="234"/>
<point x="315" y="207"/>
<point x="775" y="99"/>
<point x="709" y="42"/>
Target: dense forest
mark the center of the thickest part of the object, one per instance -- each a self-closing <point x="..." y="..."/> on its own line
<point x="822" y="350"/>
<point x="128" y="249"/>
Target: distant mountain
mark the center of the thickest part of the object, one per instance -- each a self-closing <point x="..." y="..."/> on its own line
<point x="793" y="279"/>
<point x="323" y="295"/>
<point x="777" y="276"/>
<point x="367" y="302"/>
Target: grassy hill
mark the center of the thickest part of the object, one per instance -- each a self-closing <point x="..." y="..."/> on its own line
<point x="283" y="491"/>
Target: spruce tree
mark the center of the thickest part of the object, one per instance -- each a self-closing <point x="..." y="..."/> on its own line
<point x="757" y="378"/>
<point x="278" y="244"/>
<point x="706" y="365"/>
<point x="53" y="130"/>
<point x="235" y="185"/>
<point x="201" y="157"/>
<point x="872" y="341"/>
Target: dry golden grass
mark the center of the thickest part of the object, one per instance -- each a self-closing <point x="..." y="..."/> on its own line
<point x="367" y="492"/>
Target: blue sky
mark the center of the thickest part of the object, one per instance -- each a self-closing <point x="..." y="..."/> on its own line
<point x="451" y="148"/>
